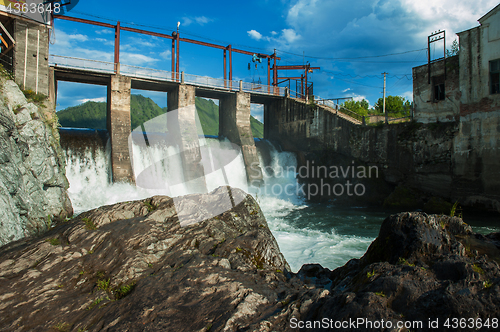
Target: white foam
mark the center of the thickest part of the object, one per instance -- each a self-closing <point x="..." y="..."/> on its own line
<point x="90" y="188"/>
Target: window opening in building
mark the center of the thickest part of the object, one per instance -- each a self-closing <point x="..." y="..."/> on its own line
<point x="495" y="76"/>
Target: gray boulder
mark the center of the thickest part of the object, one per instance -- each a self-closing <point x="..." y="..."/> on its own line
<point x="32" y="177"/>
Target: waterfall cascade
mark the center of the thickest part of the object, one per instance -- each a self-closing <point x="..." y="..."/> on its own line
<point x="305" y="233"/>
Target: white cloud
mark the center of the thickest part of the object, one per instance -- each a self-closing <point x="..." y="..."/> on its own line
<point x="186" y="21"/>
<point x="200" y="20"/>
<point x="372" y="25"/>
<point x="104" y="32"/>
<point x="346" y="90"/>
<point x="290" y="35"/>
<point x="66" y="40"/>
<point x="287" y="37"/>
<point x="98" y="100"/>
<point x="136" y="59"/>
<point x="254" y="34"/>
<point x="105" y="41"/>
<point x="408" y="95"/>
<point x="167" y="54"/>
<point x="257" y="111"/>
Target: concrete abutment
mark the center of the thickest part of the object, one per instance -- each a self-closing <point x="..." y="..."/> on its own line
<point x="182" y="125"/>
<point x="234" y="124"/>
<point x="118" y="124"/>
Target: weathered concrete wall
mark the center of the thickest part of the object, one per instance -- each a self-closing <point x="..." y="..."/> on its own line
<point x="234" y="123"/>
<point x="433" y="158"/>
<point x="476" y="158"/>
<point x="479" y="46"/>
<point x="118" y="122"/>
<point x="426" y="107"/>
<point x="183" y="129"/>
<point x="32" y="56"/>
<point x="287" y="119"/>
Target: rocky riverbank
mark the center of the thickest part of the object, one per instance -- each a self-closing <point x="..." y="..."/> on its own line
<point x="139" y="266"/>
<point x="32" y="178"/>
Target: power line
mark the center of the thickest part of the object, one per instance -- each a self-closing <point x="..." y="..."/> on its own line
<point x="362" y="57"/>
<point x="348" y="59"/>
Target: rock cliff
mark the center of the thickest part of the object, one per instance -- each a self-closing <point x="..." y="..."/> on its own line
<point x="133" y="266"/>
<point x="32" y="177"/>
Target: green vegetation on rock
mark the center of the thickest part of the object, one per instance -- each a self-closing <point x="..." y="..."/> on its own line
<point x="93" y="115"/>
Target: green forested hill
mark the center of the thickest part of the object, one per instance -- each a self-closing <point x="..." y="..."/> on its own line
<point x="93" y="115"/>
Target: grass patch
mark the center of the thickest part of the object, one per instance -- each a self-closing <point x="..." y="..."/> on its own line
<point x="93" y="304"/>
<point x="403" y="261"/>
<point x="477" y="269"/>
<point x="370" y="274"/>
<point x="454" y="209"/>
<point x="150" y="206"/>
<point x="103" y="284"/>
<point x="487" y="284"/>
<point x="63" y="327"/>
<point x="32" y="96"/>
<point x="381" y="294"/>
<point x="54" y="241"/>
<point x="89" y="224"/>
<point x="124" y="290"/>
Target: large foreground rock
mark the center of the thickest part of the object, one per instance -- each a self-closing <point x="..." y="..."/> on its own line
<point x="32" y="177"/>
<point x="139" y="266"/>
<point x="133" y="267"/>
<point x="421" y="267"/>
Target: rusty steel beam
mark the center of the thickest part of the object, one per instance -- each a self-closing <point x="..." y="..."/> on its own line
<point x="117" y="47"/>
<point x="268" y="74"/>
<point x="150" y="33"/>
<point x="175" y="45"/>
<point x="297" y="67"/>
<point x="172" y="56"/>
<point x="82" y="20"/>
<point x="289" y="78"/>
<point x="260" y="55"/>
<point x="177" y="55"/>
<point x="225" y="66"/>
<point x="230" y="49"/>
<point x="197" y="42"/>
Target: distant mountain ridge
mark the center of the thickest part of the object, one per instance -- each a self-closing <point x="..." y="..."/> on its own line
<point x="93" y="115"/>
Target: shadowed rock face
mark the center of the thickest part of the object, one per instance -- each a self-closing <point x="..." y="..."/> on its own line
<point x="420" y="267"/>
<point x="32" y="177"/>
<point x="133" y="266"/>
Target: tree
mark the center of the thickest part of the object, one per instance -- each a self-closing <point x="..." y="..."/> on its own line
<point x="454" y="49"/>
<point x="360" y="107"/>
<point x="395" y="105"/>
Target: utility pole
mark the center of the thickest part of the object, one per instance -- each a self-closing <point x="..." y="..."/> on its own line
<point x="384" y="110"/>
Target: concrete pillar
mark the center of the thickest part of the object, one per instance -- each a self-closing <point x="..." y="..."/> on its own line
<point x="118" y="123"/>
<point x="31" y="55"/>
<point x="182" y="127"/>
<point x="234" y="123"/>
<point x="52" y="88"/>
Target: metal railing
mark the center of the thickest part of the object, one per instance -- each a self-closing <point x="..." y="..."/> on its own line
<point x="70" y="62"/>
<point x="163" y="75"/>
<point x="339" y="108"/>
<point x="363" y="119"/>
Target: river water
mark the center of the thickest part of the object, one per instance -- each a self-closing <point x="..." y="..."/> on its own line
<point x="306" y="232"/>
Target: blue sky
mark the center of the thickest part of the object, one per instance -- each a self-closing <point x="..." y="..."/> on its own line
<point x="341" y="37"/>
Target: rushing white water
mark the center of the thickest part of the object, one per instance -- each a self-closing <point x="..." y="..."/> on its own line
<point x="303" y="231"/>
